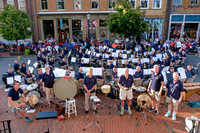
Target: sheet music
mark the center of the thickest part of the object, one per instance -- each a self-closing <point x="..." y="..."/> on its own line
<point x="132" y="56"/>
<point x="35" y="64"/>
<point x="89" y="52"/>
<point x="106" y="56"/>
<point x="18" y="78"/>
<point x="43" y="70"/>
<point x="123" y="62"/>
<point x="159" y="56"/>
<point x="146" y="60"/>
<point x="120" y="71"/>
<point x="97" y="55"/>
<point x="124" y="56"/>
<point x="97" y="71"/>
<point x="85" y="60"/>
<point x="73" y="59"/>
<point x="28" y="62"/>
<point x="59" y="72"/>
<point x="146" y="71"/>
<point x="10" y="80"/>
<point x="134" y="60"/>
<point x="155" y="58"/>
<point x="72" y="74"/>
<point x="114" y="54"/>
<point x="132" y="71"/>
<point x="181" y="70"/>
<point x="137" y="49"/>
<point x="164" y="76"/>
<point x="128" y="52"/>
<point x="84" y="69"/>
<point x="31" y="69"/>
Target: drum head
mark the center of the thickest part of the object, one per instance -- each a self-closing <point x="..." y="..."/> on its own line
<point x="64" y="88"/>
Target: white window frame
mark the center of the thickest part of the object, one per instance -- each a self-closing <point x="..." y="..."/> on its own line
<point x="57" y="5"/>
<point x="11" y="2"/>
<point x="20" y="5"/>
<point x="75" y="5"/>
<point x="157" y="7"/>
<point x="135" y="2"/>
<point x="47" y="6"/>
<point x="194" y="4"/>
<point x="94" y="8"/>
<point x="147" y="4"/>
<point x="178" y="4"/>
<point x="112" y="7"/>
<point x="1" y="1"/>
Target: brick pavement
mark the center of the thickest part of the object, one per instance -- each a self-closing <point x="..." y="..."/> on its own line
<point x="110" y="123"/>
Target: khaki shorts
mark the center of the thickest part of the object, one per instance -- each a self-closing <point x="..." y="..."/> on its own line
<point x="173" y="101"/>
<point x="154" y="94"/>
<point x="16" y="102"/>
<point x="49" y="93"/>
<point x="123" y="95"/>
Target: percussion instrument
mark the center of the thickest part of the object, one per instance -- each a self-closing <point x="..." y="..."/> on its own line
<point x="32" y="87"/>
<point x="191" y="84"/>
<point x="144" y="100"/>
<point x="96" y="101"/>
<point x="23" y="87"/>
<point x="34" y="97"/>
<point x="29" y="81"/>
<point x="75" y="81"/>
<point x="106" y="89"/>
<point x="139" y="89"/>
<point x="65" y="88"/>
<point x="93" y="97"/>
<point x="191" y="88"/>
<point x="192" y="124"/>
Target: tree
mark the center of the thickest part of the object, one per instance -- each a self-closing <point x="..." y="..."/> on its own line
<point x="15" y="24"/>
<point x="127" y="21"/>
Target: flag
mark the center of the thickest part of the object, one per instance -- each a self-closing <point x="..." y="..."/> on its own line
<point x="84" y="24"/>
<point x="95" y="23"/>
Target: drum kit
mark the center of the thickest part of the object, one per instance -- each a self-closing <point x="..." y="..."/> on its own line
<point x="105" y="89"/>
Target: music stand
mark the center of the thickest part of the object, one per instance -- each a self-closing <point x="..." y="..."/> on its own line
<point x="95" y="123"/>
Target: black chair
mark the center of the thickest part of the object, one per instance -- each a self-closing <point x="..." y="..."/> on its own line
<point x="4" y="126"/>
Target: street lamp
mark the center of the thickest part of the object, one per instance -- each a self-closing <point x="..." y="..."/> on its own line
<point x="88" y="20"/>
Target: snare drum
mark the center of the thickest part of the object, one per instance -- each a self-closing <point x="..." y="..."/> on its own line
<point x="96" y="101"/>
<point x="106" y="89"/>
<point x="34" y="97"/>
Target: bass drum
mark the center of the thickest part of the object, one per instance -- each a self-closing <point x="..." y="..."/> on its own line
<point x="75" y="81"/>
<point x="65" y="88"/>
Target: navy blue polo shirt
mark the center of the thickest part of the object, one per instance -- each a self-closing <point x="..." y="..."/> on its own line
<point x="38" y="58"/>
<point x="48" y="80"/>
<point x="110" y="58"/>
<point x="15" y="94"/>
<point x="10" y="74"/>
<point x="174" y="89"/>
<point x="23" y="70"/>
<point x="86" y="56"/>
<point x="156" y="81"/>
<point x="39" y="77"/>
<point x="63" y="63"/>
<point x="90" y="82"/>
<point x="28" y="76"/>
<point x="126" y="82"/>
<point x="128" y="66"/>
<point x="119" y="58"/>
<point x="100" y="57"/>
<point x="140" y="65"/>
<point x="115" y="76"/>
<point x="175" y="58"/>
<point x="110" y="66"/>
<point x="43" y="60"/>
<point x="81" y="65"/>
<point x="151" y="65"/>
<point x="80" y="76"/>
<point x="138" y="75"/>
<point x="16" y="67"/>
<point x="51" y="63"/>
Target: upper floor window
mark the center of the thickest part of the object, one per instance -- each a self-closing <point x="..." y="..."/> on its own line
<point x="111" y="3"/>
<point x="1" y="4"/>
<point x="21" y="3"/>
<point x="194" y="2"/>
<point x="44" y="4"/>
<point x="157" y="4"/>
<point x="133" y="2"/>
<point x="177" y="2"/>
<point x="77" y="4"/>
<point x="10" y="2"/>
<point x="60" y="4"/>
<point x="144" y="4"/>
<point x="94" y="4"/>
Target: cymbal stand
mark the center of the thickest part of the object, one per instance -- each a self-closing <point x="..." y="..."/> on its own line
<point x="105" y="103"/>
<point x="94" y="123"/>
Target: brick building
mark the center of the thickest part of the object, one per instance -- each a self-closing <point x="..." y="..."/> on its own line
<point x="184" y="19"/>
<point x="61" y="19"/>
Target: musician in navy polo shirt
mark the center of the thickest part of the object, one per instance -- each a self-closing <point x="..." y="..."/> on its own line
<point x="174" y="95"/>
<point x="89" y="84"/>
<point x="125" y="83"/>
<point x="155" y="89"/>
<point x="138" y="74"/>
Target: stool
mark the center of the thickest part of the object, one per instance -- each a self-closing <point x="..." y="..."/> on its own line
<point x="70" y="107"/>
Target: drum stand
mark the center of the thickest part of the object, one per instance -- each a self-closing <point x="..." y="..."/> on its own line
<point x="105" y="102"/>
<point x="94" y="123"/>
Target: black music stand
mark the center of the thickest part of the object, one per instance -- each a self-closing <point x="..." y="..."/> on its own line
<point x="4" y="127"/>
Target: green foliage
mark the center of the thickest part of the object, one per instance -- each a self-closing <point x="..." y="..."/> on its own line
<point x="127" y="21"/>
<point x="15" y="24"/>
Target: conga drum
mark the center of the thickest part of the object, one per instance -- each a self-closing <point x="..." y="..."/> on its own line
<point x="65" y="88"/>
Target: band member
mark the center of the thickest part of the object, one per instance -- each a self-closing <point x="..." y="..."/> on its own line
<point x="39" y="77"/>
<point x="174" y="95"/>
<point x="48" y="81"/>
<point x="125" y="83"/>
<point x="139" y="64"/>
<point x="89" y="84"/>
<point x="127" y="65"/>
<point x="15" y="102"/>
<point x="63" y="64"/>
<point x="111" y="65"/>
<point x="16" y="67"/>
<point x="80" y="74"/>
<point x="23" y="69"/>
<point x="29" y="79"/>
<point x="155" y="89"/>
<point x="189" y="69"/>
<point x="10" y="73"/>
<point x="138" y="74"/>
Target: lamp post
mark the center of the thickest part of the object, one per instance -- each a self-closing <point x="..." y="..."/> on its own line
<point x="88" y="20"/>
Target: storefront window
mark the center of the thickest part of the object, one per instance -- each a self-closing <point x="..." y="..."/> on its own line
<point x="48" y="29"/>
<point x="190" y="30"/>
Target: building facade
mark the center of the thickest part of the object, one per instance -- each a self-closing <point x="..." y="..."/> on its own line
<point x="184" y="19"/>
<point x="64" y="19"/>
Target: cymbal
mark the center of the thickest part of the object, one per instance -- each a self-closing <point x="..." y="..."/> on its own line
<point x="144" y="100"/>
<point x="32" y="87"/>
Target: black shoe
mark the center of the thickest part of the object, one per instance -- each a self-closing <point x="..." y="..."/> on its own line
<point x="95" y="111"/>
<point x="51" y="102"/>
<point x="86" y="112"/>
<point x="151" y="109"/>
<point x="156" y="112"/>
